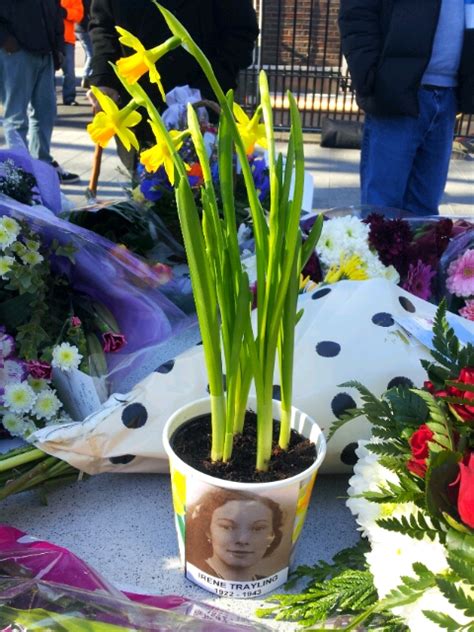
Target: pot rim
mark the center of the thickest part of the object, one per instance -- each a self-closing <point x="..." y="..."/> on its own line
<point x="184" y="468"/>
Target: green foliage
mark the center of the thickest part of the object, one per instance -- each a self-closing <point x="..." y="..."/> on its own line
<point x="416" y="526"/>
<point x="448" y="352"/>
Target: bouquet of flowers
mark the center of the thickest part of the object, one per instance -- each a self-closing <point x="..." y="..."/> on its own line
<point x="40" y="329"/>
<point x="147" y="221"/>
<point x="429" y="259"/>
<point x="412" y="494"/>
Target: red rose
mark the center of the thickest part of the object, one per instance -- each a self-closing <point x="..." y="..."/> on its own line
<point x="419" y="450"/>
<point x="112" y="342"/>
<point x="39" y="370"/>
<point x="465" y="411"/>
<point x="466" y="491"/>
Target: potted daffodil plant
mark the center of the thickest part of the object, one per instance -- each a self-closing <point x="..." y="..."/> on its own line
<point x="242" y="466"/>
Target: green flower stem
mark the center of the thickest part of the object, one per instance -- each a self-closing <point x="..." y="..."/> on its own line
<point x="32" y="454"/>
<point x="286" y="345"/>
<point x="170" y="44"/>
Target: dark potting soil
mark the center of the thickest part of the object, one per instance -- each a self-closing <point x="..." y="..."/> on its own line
<point x="192" y="443"/>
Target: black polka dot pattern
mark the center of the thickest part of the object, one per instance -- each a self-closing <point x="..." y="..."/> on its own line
<point x="328" y="349"/>
<point x="400" y="381"/>
<point x="341" y="403"/>
<point x="383" y="319"/>
<point x="320" y="293"/>
<point x="123" y="459"/>
<point x="225" y="385"/>
<point x="166" y="367"/>
<point x="134" y="416"/>
<point x="406" y="304"/>
<point x="348" y="455"/>
<point x="277" y="392"/>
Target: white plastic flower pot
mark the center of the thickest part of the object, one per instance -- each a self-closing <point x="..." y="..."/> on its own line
<point x="238" y="539"/>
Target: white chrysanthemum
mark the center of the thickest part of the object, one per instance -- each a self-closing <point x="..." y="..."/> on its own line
<point x="18" y="248"/>
<point x="392" y="275"/>
<point x="6" y="264"/>
<point x="19" y="397"/>
<point x="32" y="245"/>
<point x="343" y="236"/>
<point x="66" y="357"/>
<point x="14" y="424"/>
<point x="369" y="475"/>
<point x="10" y="225"/>
<point x="47" y="404"/>
<point x="6" y="238"/>
<point x="29" y="427"/>
<point x="37" y="384"/>
<point x="32" y="258"/>
<point x="375" y="268"/>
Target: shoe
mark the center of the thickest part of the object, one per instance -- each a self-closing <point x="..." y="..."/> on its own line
<point x="65" y="177"/>
<point x="71" y="103"/>
<point x="85" y="83"/>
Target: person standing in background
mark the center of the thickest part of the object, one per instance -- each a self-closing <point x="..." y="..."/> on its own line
<point x="226" y="32"/>
<point x="31" y="47"/>
<point x="74" y="14"/>
<point x="412" y="67"/>
<point x="82" y="34"/>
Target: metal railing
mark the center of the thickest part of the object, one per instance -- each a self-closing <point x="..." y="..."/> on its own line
<point x="299" y="48"/>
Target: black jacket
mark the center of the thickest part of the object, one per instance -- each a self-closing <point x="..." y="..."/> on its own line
<point x="225" y="29"/>
<point x="387" y="44"/>
<point x="36" y="24"/>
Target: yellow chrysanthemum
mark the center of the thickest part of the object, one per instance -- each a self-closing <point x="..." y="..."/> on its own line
<point x="152" y="159"/>
<point x="251" y="131"/>
<point x="113" y="121"/>
<point x="352" y="269"/>
<point x="306" y="284"/>
<point x="142" y="61"/>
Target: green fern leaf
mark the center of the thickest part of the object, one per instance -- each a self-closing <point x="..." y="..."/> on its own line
<point x="456" y="595"/>
<point x="443" y="620"/>
<point x="462" y="567"/>
<point x="415" y="526"/>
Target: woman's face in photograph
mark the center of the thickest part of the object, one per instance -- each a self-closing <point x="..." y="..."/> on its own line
<point x="241" y="531"/>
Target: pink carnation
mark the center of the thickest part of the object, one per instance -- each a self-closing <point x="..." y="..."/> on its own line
<point x="113" y="342"/>
<point x="461" y="275"/>
<point x="75" y="321"/>
<point x="468" y="310"/>
<point x="39" y="370"/>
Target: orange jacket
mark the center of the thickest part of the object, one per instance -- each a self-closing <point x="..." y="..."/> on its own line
<point x="74" y="13"/>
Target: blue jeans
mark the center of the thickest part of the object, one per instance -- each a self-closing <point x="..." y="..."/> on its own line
<point x="28" y="80"/>
<point x="86" y="43"/>
<point x="405" y="160"/>
<point x="69" y="82"/>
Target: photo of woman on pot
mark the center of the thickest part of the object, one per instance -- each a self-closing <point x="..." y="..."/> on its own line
<point x="238" y="536"/>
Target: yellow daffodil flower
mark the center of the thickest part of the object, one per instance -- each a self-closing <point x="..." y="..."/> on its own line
<point x="143" y="60"/>
<point x="159" y="154"/>
<point x="251" y="131"/>
<point x="352" y="269"/>
<point x="113" y="121"/>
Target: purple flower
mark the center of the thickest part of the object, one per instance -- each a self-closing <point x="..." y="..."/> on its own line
<point x="418" y="280"/>
<point x="7" y="345"/>
<point x="11" y="370"/>
<point x="260" y="176"/>
<point x="153" y="186"/>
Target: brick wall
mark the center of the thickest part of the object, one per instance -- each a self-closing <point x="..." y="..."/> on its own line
<point x="300" y="32"/>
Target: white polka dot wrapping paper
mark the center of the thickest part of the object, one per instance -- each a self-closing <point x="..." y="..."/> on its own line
<point x="349" y="331"/>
